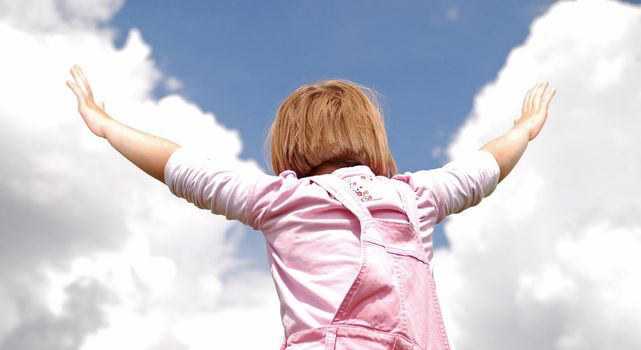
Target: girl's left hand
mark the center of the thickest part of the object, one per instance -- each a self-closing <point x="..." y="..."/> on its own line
<point x="92" y="113"/>
<point x="535" y="109"/>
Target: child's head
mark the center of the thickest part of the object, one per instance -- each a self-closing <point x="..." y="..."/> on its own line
<point x="332" y="122"/>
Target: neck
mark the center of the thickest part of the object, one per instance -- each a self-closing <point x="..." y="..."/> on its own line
<point x="324" y="169"/>
<point x="330" y="166"/>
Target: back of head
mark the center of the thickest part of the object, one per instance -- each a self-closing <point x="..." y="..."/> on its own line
<point x="332" y="122"/>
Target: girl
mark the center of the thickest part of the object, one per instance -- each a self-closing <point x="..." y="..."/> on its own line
<point x="348" y="239"/>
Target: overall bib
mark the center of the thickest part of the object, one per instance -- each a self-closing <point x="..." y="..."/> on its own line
<point x="392" y="303"/>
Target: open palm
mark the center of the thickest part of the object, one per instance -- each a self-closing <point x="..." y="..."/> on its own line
<point x="92" y="113"/>
<point x="535" y="109"/>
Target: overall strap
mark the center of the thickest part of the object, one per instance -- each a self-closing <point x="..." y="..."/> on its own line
<point x="408" y="199"/>
<point x="336" y="188"/>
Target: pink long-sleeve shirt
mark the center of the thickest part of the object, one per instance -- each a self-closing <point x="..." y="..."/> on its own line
<point x="312" y="240"/>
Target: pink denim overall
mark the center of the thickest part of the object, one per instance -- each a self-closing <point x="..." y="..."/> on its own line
<point x="392" y="303"/>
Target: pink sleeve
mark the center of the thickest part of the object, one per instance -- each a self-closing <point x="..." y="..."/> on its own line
<point x="456" y="186"/>
<point x="200" y="181"/>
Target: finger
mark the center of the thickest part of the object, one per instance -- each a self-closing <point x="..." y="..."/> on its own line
<point x="72" y="86"/>
<point x="77" y="81"/>
<point x="540" y="92"/>
<point x="82" y="81"/>
<point x="80" y="95"/>
<point x="76" y="90"/>
<point x="526" y="102"/>
<point x="535" y="88"/>
<point x="548" y="98"/>
<point x="530" y="100"/>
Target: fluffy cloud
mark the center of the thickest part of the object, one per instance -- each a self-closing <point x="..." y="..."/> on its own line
<point x="551" y="260"/>
<point x="93" y="254"/>
<point x="41" y="15"/>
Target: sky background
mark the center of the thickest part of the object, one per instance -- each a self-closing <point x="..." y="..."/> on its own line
<point x="93" y="255"/>
<point x="240" y="59"/>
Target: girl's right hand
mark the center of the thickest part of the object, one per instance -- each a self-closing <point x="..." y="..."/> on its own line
<point x="535" y="109"/>
<point x="92" y="113"/>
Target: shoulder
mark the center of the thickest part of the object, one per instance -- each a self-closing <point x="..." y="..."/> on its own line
<point x="277" y="195"/>
<point x="475" y="164"/>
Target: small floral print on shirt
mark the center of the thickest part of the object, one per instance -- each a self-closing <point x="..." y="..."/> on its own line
<point x="362" y="186"/>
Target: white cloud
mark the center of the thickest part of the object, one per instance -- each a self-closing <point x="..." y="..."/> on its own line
<point x="551" y="260"/>
<point x="44" y="15"/>
<point x="93" y="254"/>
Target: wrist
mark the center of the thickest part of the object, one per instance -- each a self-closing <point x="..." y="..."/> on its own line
<point x="520" y="131"/>
<point x="107" y="126"/>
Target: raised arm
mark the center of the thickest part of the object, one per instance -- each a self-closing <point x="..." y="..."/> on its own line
<point x="508" y="148"/>
<point x="148" y="152"/>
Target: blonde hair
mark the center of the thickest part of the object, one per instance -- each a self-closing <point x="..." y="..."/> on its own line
<point x="332" y="122"/>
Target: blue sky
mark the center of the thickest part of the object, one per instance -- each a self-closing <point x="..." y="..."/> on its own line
<point x="240" y="59"/>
